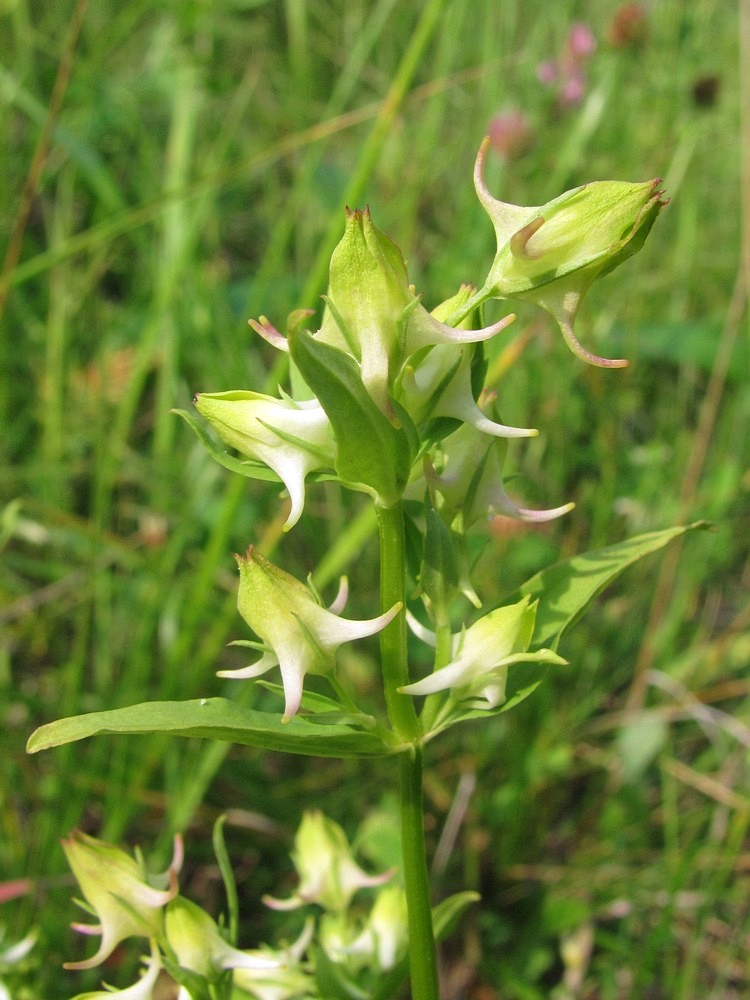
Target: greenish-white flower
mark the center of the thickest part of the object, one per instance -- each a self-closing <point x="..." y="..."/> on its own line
<point x="384" y="937"/>
<point x="482" y="653"/>
<point x="298" y="633"/>
<point x="118" y="891"/>
<point x="373" y="313"/>
<point x="470" y="481"/>
<point x="440" y="385"/>
<point x="288" y="982"/>
<point x="328" y="873"/>
<point x="198" y="945"/>
<point x="292" y="438"/>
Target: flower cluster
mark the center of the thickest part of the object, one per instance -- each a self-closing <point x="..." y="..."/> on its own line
<point x="400" y="410"/>
<point x="188" y="943"/>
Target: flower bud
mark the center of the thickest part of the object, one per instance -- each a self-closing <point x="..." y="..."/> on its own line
<point x="199" y="946"/>
<point x="552" y="254"/>
<point x="301" y="636"/>
<point x="329" y="875"/>
<point x="373" y="313"/>
<point x="291" y="438"/>
<point x="117" y="889"/>
<point x="477" y="674"/>
<point x="367" y="296"/>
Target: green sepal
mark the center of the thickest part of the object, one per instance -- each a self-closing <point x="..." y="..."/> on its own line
<point x="214" y="719"/>
<point x="372" y="453"/>
<point x="245" y="467"/>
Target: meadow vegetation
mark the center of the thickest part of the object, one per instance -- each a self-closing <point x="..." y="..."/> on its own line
<point x="172" y="170"/>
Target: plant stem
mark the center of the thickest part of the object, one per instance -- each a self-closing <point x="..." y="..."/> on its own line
<point x="394" y="663"/>
<point x="395" y="667"/>
<point x="422" y="953"/>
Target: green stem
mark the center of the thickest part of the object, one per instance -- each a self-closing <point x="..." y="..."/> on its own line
<point x="394" y="663"/>
<point x="422" y="952"/>
<point x="395" y="667"/>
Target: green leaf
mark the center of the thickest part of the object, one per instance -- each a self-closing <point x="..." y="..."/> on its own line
<point x="227" y="875"/>
<point x="445" y="915"/>
<point x="370" y="451"/>
<point x="567" y="588"/>
<point x="214" y="719"/>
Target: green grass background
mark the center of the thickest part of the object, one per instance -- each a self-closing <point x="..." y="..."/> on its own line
<point x="187" y="169"/>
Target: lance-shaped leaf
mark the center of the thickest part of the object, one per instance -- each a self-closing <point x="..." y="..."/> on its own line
<point x="214" y="719"/>
<point x="565" y="589"/>
<point x="371" y="452"/>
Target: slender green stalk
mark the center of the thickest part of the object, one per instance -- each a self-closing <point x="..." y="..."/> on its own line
<point x="394" y="663"/>
<point x="422" y="953"/>
<point x="395" y="667"/>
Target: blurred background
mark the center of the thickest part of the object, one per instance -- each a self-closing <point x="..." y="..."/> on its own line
<point x="171" y="170"/>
